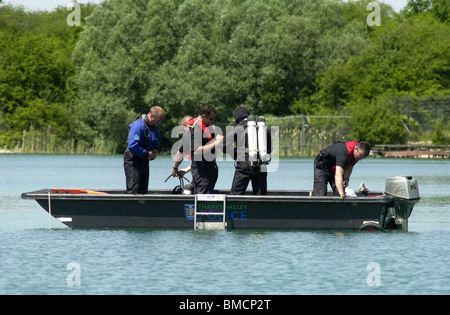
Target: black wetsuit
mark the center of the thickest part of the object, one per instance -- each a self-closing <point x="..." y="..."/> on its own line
<point x="204" y="168"/>
<point x="245" y="172"/>
<point x="325" y="164"/>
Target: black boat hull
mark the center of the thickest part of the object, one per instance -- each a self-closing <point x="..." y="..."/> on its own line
<point x="294" y="210"/>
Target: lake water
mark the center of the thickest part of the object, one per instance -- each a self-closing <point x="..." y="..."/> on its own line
<point x="37" y="260"/>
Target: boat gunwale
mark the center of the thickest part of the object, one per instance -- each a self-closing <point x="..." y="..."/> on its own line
<point x="284" y="196"/>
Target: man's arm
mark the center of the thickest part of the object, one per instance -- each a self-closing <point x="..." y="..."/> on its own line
<point x="339" y="180"/>
<point x="134" y="139"/>
<point x="208" y="147"/>
<point x="347" y="173"/>
<point x="178" y="160"/>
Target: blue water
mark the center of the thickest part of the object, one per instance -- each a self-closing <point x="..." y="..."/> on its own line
<point x="37" y="260"/>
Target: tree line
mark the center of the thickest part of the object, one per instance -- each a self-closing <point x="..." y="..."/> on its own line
<point x="76" y="89"/>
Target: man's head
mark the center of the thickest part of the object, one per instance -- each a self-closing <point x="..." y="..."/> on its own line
<point x="240" y="114"/>
<point x="361" y="151"/>
<point x="208" y="114"/>
<point x="156" y="115"/>
<point x="185" y="121"/>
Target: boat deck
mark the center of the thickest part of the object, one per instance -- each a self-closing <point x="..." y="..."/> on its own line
<point x="152" y="194"/>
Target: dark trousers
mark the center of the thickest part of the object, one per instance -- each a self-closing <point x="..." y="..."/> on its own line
<point x="322" y="177"/>
<point x="204" y="176"/>
<point x="245" y="173"/>
<point x="136" y="173"/>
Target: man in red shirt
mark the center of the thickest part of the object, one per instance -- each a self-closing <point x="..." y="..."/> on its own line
<point x="334" y="165"/>
<point x="204" y="142"/>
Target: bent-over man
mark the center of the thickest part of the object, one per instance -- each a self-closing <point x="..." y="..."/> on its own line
<point x="334" y="165"/>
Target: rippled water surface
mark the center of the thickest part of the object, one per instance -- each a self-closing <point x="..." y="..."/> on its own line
<point x="37" y="260"/>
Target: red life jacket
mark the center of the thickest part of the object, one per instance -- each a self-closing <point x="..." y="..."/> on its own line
<point x="207" y="130"/>
<point x="351" y="147"/>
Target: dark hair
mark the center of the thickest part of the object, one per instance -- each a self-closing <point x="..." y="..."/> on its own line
<point x="365" y="147"/>
<point x="207" y="110"/>
<point x="240" y="114"/>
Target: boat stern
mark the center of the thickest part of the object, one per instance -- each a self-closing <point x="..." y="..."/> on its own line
<point x="405" y="190"/>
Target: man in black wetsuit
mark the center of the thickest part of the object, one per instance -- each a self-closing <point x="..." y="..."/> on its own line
<point x="204" y="142"/>
<point x="334" y="165"/>
<point x="236" y="145"/>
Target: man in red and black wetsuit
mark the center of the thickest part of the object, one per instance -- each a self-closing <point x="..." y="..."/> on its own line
<point x="204" y="142"/>
<point x="334" y="165"/>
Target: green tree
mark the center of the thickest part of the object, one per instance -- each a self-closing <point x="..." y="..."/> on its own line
<point x="438" y="135"/>
<point x="36" y="90"/>
<point x="439" y="8"/>
<point x="113" y="77"/>
<point x="276" y="57"/>
<point x="377" y="123"/>
<point x="404" y="59"/>
<point x="180" y="54"/>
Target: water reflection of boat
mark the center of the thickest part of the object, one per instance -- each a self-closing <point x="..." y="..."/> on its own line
<point x="80" y="208"/>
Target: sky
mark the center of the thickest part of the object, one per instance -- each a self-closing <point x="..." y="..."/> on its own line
<point x="49" y="5"/>
<point x="46" y="5"/>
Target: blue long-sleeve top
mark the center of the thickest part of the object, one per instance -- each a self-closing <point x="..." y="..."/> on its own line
<point x="138" y="132"/>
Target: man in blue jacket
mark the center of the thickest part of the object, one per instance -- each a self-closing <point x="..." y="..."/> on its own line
<point x="143" y="146"/>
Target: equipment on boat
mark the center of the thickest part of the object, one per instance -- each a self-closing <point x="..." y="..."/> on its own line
<point x="257" y="140"/>
<point x="350" y="192"/>
<point x="252" y="139"/>
<point x="363" y="190"/>
<point x="262" y="140"/>
<point x="181" y="188"/>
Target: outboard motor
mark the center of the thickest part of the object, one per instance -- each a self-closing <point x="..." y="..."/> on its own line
<point x="406" y="192"/>
<point x="252" y="139"/>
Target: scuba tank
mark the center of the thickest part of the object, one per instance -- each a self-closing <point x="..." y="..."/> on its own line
<point x="252" y="139"/>
<point x="262" y="139"/>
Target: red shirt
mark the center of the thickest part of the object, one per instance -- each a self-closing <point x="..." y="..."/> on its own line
<point x="339" y="154"/>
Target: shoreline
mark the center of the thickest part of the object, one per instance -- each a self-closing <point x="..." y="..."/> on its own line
<point x="422" y="156"/>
